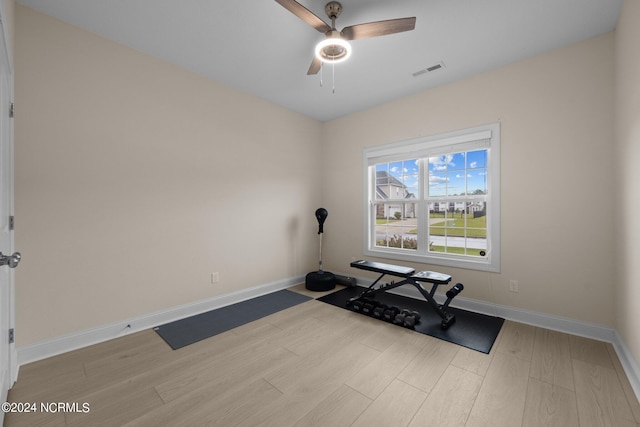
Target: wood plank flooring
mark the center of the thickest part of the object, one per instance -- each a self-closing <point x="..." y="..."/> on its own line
<point x="318" y="365"/>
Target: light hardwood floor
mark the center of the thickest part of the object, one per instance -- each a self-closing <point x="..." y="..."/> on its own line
<point x="315" y="364"/>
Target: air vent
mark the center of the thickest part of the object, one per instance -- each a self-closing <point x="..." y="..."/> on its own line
<point x="430" y="69"/>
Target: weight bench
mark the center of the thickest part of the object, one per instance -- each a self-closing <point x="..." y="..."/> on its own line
<point x="410" y="277"/>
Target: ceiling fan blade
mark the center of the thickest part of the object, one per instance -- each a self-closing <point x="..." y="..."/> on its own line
<point x="379" y="28"/>
<point x="305" y="14"/>
<point x="315" y="66"/>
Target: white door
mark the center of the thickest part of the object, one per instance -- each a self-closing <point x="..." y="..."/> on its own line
<point x="8" y="362"/>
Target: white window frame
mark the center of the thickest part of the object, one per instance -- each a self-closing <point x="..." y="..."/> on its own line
<point x="485" y="136"/>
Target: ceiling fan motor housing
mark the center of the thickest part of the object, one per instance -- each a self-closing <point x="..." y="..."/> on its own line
<point x="333" y="9"/>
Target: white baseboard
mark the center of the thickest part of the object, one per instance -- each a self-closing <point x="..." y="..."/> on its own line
<point x="42" y="350"/>
<point x="629" y="363"/>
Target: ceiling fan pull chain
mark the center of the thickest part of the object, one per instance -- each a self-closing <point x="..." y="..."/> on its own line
<point x="333" y="78"/>
<point x="321" y="67"/>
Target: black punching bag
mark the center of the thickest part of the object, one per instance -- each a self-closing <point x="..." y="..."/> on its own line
<point x="320" y="280"/>
<point x="321" y="216"/>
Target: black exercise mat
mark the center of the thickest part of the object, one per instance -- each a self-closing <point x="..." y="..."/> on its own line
<point x="187" y="331"/>
<point x="472" y="330"/>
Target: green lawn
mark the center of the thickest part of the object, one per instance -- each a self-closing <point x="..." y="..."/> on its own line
<point x="476" y="227"/>
<point x="458" y="232"/>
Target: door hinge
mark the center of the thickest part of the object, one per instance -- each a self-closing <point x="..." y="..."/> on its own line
<point x="11" y="223"/>
<point x="11" y="110"/>
<point x="12" y="336"/>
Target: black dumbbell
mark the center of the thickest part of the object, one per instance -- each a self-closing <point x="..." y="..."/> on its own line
<point x="390" y="313"/>
<point x="368" y="307"/>
<point x="399" y="319"/>
<point x="378" y="312"/>
<point x="357" y="305"/>
<point x="411" y="319"/>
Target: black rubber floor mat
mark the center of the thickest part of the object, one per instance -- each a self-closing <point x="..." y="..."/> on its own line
<point x="472" y="330"/>
<point x="187" y="331"/>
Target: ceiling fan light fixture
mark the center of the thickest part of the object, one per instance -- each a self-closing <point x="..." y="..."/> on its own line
<point x="333" y="50"/>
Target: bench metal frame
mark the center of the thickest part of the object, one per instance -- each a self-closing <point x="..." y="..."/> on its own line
<point x="410" y="277"/>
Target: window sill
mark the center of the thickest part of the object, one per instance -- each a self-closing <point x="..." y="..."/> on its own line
<point x="481" y="264"/>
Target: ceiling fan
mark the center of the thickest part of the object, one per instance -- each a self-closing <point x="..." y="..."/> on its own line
<point x="335" y="47"/>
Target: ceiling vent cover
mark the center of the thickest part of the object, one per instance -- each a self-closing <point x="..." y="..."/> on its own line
<point x="430" y="69"/>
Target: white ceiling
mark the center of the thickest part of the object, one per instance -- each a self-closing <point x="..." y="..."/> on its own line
<point x="260" y="47"/>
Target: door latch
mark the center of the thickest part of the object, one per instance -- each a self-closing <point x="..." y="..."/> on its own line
<point x="11" y="260"/>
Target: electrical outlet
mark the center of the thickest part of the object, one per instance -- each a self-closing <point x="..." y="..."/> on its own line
<point x="513" y="286"/>
<point x="215" y="277"/>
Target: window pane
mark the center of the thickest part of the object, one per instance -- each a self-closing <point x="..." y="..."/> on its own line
<point x="411" y="178"/>
<point x="478" y="216"/>
<point x="477" y="159"/>
<point x="396" y="225"/>
<point x="439" y="163"/>
<point x="412" y="187"/>
<point x="455" y="242"/>
<point x="477" y="229"/>
<point x="411" y="167"/>
<point x="437" y="226"/>
<point x="457" y="184"/>
<point x="437" y="223"/>
<point x="477" y="181"/>
<point x="438" y="184"/>
<point x="397" y="180"/>
<point x="395" y="169"/>
<point x="456" y="162"/>
<point x="477" y="172"/>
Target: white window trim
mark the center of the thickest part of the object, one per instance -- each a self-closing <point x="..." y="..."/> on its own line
<point x="420" y="147"/>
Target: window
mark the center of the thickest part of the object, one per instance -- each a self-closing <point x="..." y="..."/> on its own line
<point x="436" y="199"/>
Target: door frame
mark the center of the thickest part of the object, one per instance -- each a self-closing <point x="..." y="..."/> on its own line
<point x="6" y="71"/>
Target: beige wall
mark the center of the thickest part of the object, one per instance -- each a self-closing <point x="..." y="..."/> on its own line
<point x="136" y="179"/>
<point x="556" y="119"/>
<point x="628" y="161"/>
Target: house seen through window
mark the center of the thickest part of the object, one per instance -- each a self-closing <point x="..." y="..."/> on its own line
<point x="436" y="199"/>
